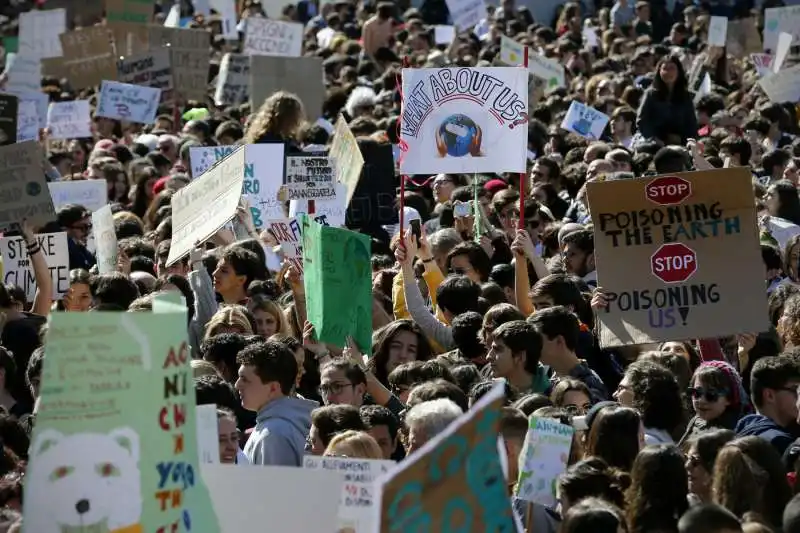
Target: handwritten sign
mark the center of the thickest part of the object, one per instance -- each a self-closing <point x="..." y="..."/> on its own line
<point x="18" y="269"/>
<point x="135" y="11"/>
<point x="105" y="239"/>
<point x="27" y="122"/>
<point x="40" y="101"/>
<point x="778" y="20"/>
<point x="91" y="194"/>
<point x="512" y="53"/>
<point x="585" y="121"/>
<point x="268" y="37"/>
<point x="356" y="509"/>
<point x="69" y="120"/>
<point x="227" y="15"/>
<point x="331" y="212"/>
<point x="124" y="101"/>
<point x="663" y="251"/>
<point x="88" y="56"/>
<point x="455" y="482"/>
<point x="233" y="80"/>
<point x="466" y="14"/>
<point x="783" y="86"/>
<point x="39" y="31"/>
<point x="350" y="161"/>
<point x="543" y="459"/>
<point x="23" y="187"/>
<point x="189" y="58"/>
<point x="763" y="63"/>
<point x="23" y="73"/>
<point x="209" y="202"/>
<point x="148" y="69"/>
<point x="287" y="233"/>
<point x="310" y="177"/>
<point x="717" y="31"/>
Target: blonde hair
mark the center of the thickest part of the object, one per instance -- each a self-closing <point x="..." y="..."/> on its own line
<point x="229" y="316"/>
<point x="354" y="445"/>
<point x="201" y="368"/>
<point x="124" y="216"/>
<point x="262" y="303"/>
<point x="281" y="114"/>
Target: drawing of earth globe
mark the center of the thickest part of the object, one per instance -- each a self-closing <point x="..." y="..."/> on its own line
<point x="457" y="132"/>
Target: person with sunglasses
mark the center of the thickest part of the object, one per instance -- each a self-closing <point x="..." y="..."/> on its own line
<point x="718" y="398"/>
<point x="76" y="220"/>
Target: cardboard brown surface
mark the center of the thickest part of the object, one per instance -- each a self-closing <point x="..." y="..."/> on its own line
<point x="88" y="56"/>
<point x="190" y="59"/>
<point x="23" y="186"/>
<point x="299" y="75"/>
<point x="149" y="69"/>
<point x="725" y="295"/>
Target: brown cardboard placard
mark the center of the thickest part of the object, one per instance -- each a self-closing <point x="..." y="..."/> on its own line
<point x="148" y="69"/>
<point x="742" y="38"/>
<point x="129" y="38"/>
<point x="190" y="59"/>
<point x="710" y="285"/>
<point x="23" y="186"/>
<point x="299" y="75"/>
<point x="88" y="56"/>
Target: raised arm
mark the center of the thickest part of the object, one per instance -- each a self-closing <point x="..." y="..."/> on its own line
<point x="43" y="298"/>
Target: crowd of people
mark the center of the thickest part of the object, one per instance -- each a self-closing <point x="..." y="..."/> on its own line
<point x="691" y="435"/>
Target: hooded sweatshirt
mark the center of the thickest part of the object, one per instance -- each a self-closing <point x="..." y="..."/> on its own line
<point x="767" y="429"/>
<point x="280" y="434"/>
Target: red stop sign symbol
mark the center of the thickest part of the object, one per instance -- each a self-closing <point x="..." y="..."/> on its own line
<point x="673" y="262"/>
<point x="668" y="190"/>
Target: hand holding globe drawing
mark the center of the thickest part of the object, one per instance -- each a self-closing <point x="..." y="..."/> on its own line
<point x="457" y="136"/>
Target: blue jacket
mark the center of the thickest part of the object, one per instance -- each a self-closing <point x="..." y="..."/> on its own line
<point x="767" y="429"/>
<point x="279" y="437"/>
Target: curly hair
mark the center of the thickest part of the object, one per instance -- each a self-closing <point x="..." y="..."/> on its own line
<point x="656" y="395"/>
<point x="281" y="115"/>
<point x="789" y="322"/>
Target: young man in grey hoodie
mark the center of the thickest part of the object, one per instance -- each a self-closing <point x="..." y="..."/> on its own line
<point x="267" y="372"/>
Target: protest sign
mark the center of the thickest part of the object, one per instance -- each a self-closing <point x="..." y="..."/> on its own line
<point x="18" y="269"/>
<point x="287" y="232"/>
<point x="299" y="75"/>
<point x="458" y="120"/>
<point x="209" y="202"/>
<point x="233" y="80"/>
<point x="130" y="38"/>
<point x="663" y="248"/>
<point x="88" y="56"/>
<point x="69" y="119"/>
<point x="9" y="117"/>
<point x="40" y="101"/>
<point x="27" y="121"/>
<point x="327" y="284"/>
<point x="585" y="121"/>
<point x="783" y="86"/>
<point x="226" y="10"/>
<point x="105" y="239"/>
<point x="763" y="63"/>
<point x="717" y="31"/>
<point x="344" y="150"/>
<point x="327" y="212"/>
<point x="455" y="482"/>
<point x="310" y="177"/>
<point x="23" y="73"/>
<point x="544" y="458"/>
<point x="782" y="50"/>
<point x="233" y="489"/>
<point x="23" y="187"/>
<point x="148" y="69"/>
<point x="114" y="448"/>
<point x="512" y="53"/>
<point x="743" y="37"/>
<point x="547" y="69"/>
<point x="207" y="434"/>
<point x="189" y="58"/>
<point x="268" y="37"/>
<point x="356" y="507"/>
<point x="466" y="14"/>
<point x="125" y="101"/>
<point x="373" y="202"/>
<point x="444" y="34"/>
<point x="39" y="31"/>
<point x="263" y="176"/>
<point x="129" y="11"/>
<point x="778" y="20"/>
<point x="91" y="194"/>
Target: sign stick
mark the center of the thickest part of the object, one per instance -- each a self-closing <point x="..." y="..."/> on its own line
<point x="523" y="176"/>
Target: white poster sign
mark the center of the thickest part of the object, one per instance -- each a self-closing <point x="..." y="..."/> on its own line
<point x="40" y="100"/>
<point x="27" y="121"/>
<point x="783" y="86"/>
<point x="233" y="80"/>
<point x="207" y="434"/>
<point x="132" y="103"/>
<point x="227" y="14"/>
<point x="466" y="14"/>
<point x="39" y="31"/>
<point x="444" y="34"/>
<point x="310" y="178"/>
<point x="69" y="120"/>
<point x="778" y="20"/>
<point x="288" y="234"/>
<point x="512" y="53"/>
<point x="464" y="120"/>
<point x="585" y="121"/>
<point x="763" y="63"/>
<point x="105" y="239"/>
<point x="91" y="194"/>
<point x="18" y="269"/>
<point x="547" y="69"/>
<point x="265" y="37"/>
<point x="327" y="212"/>
<point x="717" y="31"/>
<point x="23" y="73"/>
<point x="784" y="44"/>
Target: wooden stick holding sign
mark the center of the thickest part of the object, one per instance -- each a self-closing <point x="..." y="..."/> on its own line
<point x="523" y="176"/>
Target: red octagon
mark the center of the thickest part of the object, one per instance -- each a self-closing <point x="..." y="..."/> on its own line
<point x="668" y="190"/>
<point x="673" y="262"/>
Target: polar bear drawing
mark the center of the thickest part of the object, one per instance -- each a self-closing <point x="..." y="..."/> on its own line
<point x="85" y="483"/>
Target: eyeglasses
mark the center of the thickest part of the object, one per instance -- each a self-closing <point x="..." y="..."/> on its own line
<point x="327" y="389"/>
<point x="577" y="410"/>
<point x="710" y="395"/>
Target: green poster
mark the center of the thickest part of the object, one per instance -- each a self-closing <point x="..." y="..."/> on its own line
<point x="114" y="449"/>
<point x="337" y="275"/>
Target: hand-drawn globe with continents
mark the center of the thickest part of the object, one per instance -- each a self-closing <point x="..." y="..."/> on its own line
<point x="457" y="132"/>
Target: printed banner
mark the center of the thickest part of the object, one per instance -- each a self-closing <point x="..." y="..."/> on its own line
<point x="663" y="248"/>
<point x="267" y="37"/>
<point x="124" y="101"/>
<point x="233" y="80"/>
<point x="18" y="269"/>
<point x="23" y="186"/>
<point x="148" y="69"/>
<point x="544" y="458"/>
<point x="464" y="120"/>
<point x="70" y="119"/>
<point x="310" y="178"/>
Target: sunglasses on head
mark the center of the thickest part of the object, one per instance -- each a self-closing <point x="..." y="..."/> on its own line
<point x="710" y="395"/>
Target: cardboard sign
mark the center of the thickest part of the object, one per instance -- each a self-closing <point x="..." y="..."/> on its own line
<point x="466" y="14"/>
<point x="23" y="73"/>
<point x="373" y="202"/>
<point x="209" y="202"/>
<point x="129" y="11"/>
<point x="663" y="249"/>
<point x="287" y="233"/>
<point x="310" y="177"/>
<point x="23" y="187"/>
<point x="356" y="507"/>
<point x="344" y="150"/>
<point x="88" y="56"/>
<point x="272" y="37"/>
<point x="455" y="482"/>
<point x="585" y="121"/>
<point x="544" y="458"/>
<point x="190" y="59"/>
<point x="39" y="31"/>
<point x="743" y="37"/>
<point x="9" y="116"/>
<point x="91" y="194"/>
<point x="233" y="80"/>
<point x="122" y="431"/>
<point x="130" y="38"/>
<point x="124" y="101"/>
<point x="299" y="75"/>
<point x="148" y="69"/>
<point x="18" y="269"/>
<point x="464" y="120"/>
<point x="69" y="120"/>
<point x="105" y="239"/>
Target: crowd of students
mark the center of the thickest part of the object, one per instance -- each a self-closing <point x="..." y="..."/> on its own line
<point x="692" y="435"/>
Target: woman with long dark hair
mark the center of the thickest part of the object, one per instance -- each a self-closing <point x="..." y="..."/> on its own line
<point x="396" y="343"/>
<point x="657" y="497"/>
<point x="667" y="110"/>
<point x="782" y="201"/>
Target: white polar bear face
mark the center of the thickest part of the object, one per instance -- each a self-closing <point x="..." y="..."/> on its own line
<point x="88" y="479"/>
